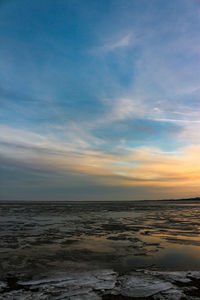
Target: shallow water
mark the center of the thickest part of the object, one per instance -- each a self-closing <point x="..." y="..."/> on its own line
<point x="39" y="238"/>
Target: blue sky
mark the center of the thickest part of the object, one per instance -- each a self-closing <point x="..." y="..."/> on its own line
<point x="99" y="99"/>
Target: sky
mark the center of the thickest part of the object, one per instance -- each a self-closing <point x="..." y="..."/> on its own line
<point x="99" y="100"/>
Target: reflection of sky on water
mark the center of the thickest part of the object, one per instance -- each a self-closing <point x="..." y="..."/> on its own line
<point x="122" y="236"/>
<point x="171" y="258"/>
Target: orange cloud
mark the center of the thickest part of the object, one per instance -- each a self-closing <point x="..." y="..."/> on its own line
<point x="142" y="166"/>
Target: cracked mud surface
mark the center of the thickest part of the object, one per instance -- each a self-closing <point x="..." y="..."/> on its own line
<point x="105" y="285"/>
<point x="41" y="239"/>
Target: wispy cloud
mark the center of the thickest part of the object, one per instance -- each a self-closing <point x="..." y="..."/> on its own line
<point x="122" y="108"/>
<point x="122" y="42"/>
<point x="116" y="101"/>
<point x="139" y="166"/>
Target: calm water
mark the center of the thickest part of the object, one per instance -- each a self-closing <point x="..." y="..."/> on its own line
<point x="47" y="237"/>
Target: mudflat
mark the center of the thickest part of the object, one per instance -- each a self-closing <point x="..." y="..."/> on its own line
<point x="45" y="240"/>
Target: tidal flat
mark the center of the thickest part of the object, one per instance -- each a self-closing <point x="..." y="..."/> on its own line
<point x="100" y="250"/>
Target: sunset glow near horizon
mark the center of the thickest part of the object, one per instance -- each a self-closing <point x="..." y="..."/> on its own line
<point x="99" y="100"/>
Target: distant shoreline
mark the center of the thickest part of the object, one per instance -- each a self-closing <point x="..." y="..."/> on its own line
<point x="95" y="201"/>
